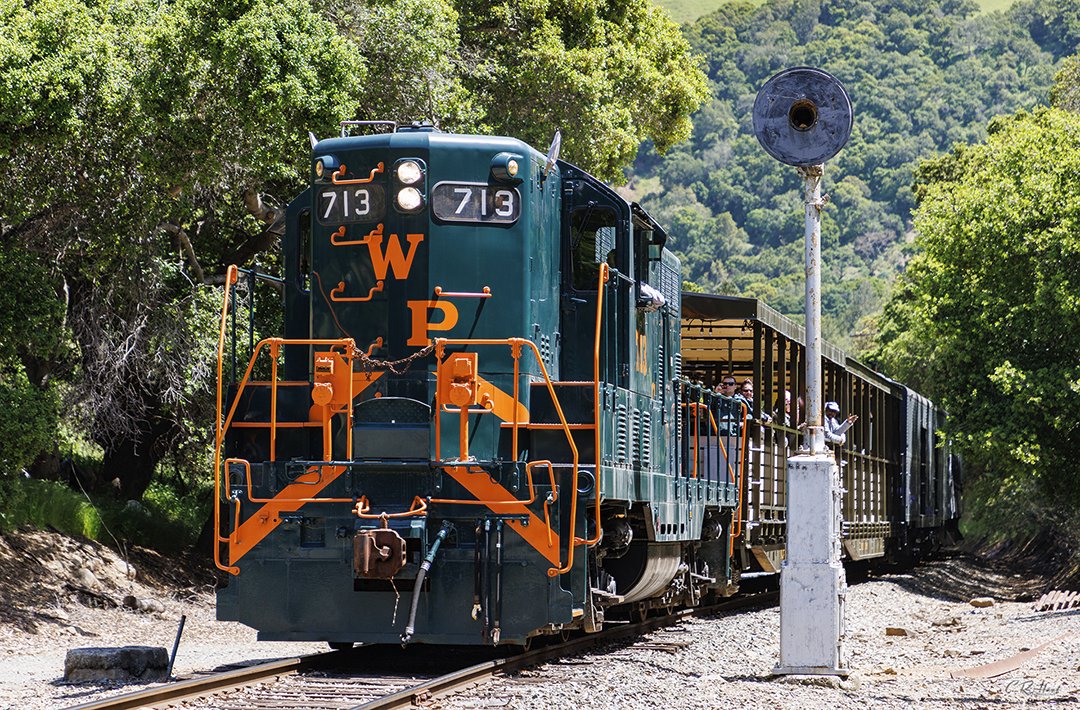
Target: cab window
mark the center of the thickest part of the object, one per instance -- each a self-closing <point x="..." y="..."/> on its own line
<point x="592" y="241"/>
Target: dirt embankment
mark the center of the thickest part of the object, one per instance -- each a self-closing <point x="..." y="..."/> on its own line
<point x="58" y="593"/>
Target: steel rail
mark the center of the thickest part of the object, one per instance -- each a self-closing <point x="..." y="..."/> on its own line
<point x="457" y="680"/>
<point x="199" y="687"/>
<point x="407" y="698"/>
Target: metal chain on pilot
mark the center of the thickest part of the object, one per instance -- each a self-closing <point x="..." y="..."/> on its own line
<point x="369" y="364"/>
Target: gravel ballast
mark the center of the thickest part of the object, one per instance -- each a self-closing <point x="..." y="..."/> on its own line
<point x="726" y="661"/>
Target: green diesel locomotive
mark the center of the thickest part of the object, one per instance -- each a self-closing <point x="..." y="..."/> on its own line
<point x="476" y="428"/>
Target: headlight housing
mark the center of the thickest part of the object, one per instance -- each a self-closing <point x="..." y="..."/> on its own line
<point x="324" y="165"/>
<point x="506" y="167"/>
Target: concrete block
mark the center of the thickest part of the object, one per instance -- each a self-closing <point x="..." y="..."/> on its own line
<point x="812" y="583"/>
<point x="146" y="664"/>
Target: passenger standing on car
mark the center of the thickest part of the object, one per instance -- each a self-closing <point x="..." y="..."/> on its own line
<point x="782" y="410"/>
<point x="730" y="411"/>
<point x="836" y="432"/>
<point x="781" y="415"/>
<point x="747" y="393"/>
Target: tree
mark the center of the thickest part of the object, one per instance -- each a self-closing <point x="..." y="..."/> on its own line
<point x="1065" y="93"/>
<point x="986" y="318"/>
<point x="130" y="130"/>
<point x="412" y="50"/>
<point x="609" y="74"/>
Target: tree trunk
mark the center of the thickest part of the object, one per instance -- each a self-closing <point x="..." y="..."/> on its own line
<point x="130" y="462"/>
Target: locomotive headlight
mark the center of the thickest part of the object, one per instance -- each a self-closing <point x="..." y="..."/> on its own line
<point x="409" y="199"/>
<point x="505" y="167"/>
<point x="409" y="172"/>
<point x="325" y="164"/>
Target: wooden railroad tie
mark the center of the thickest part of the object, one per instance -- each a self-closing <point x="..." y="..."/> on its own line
<point x="1057" y="600"/>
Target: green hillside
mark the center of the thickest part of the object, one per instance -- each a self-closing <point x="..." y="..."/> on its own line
<point x="690" y="10"/>
<point x="921" y="75"/>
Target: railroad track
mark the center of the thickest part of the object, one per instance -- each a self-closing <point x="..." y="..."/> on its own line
<point x="309" y="682"/>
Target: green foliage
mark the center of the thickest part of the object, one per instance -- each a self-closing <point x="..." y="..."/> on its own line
<point x="609" y="74"/>
<point x="31" y="333"/>
<point x="921" y="75"/>
<point x="183" y="505"/>
<point x="28" y="420"/>
<point x="25" y="501"/>
<point x="411" y="49"/>
<point x="1065" y="94"/>
<point x="690" y="10"/>
<point x="231" y="88"/>
<point x="166" y="520"/>
<point x="987" y="317"/>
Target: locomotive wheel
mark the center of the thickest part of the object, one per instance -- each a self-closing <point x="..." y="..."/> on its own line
<point x="565" y="635"/>
<point x="639" y="612"/>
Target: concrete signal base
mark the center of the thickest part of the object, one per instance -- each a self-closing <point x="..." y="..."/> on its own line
<point x="812" y="582"/>
<point x="146" y="664"/>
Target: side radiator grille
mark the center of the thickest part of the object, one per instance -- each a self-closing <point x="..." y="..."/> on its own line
<point x="646" y="440"/>
<point x="621" y="434"/>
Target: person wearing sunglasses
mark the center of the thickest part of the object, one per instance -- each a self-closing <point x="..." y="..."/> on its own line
<point x="726" y="386"/>
<point x="729" y="411"/>
<point x="747" y="393"/>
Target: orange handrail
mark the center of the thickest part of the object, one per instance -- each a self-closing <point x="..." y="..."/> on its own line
<point x="337" y="237"/>
<point x="222" y="424"/>
<point x="508" y="501"/>
<point x="375" y="345"/>
<point x="723" y="449"/>
<point x="244" y="381"/>
<point x="603" y="279"/>
<point x="739" y="502"/>
<point x="419" y="507"/>
<point x="440" y="345"/>
<point x="484" y="293"/>
<point x="737" y="520"/>
<point x="219" y="434"/>
<point x="338" y="176"/>
<point x="694" y="407"/>
<point x="336" y="297"/>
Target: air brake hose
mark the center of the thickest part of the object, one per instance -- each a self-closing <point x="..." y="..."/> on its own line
<point x="410" y="627"/>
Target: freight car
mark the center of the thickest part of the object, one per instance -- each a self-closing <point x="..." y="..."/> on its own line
<point x="492" y="414"/>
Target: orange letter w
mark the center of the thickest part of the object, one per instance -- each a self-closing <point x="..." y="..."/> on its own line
<point x="394" y="255"/>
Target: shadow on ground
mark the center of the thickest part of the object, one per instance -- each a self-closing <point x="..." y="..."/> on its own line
<point x="959" y="575"/>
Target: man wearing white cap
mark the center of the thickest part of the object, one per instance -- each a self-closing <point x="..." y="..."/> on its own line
<point x="835" y="432"/>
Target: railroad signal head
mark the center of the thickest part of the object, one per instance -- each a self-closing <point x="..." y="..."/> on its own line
<point x="802" y="116"/>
